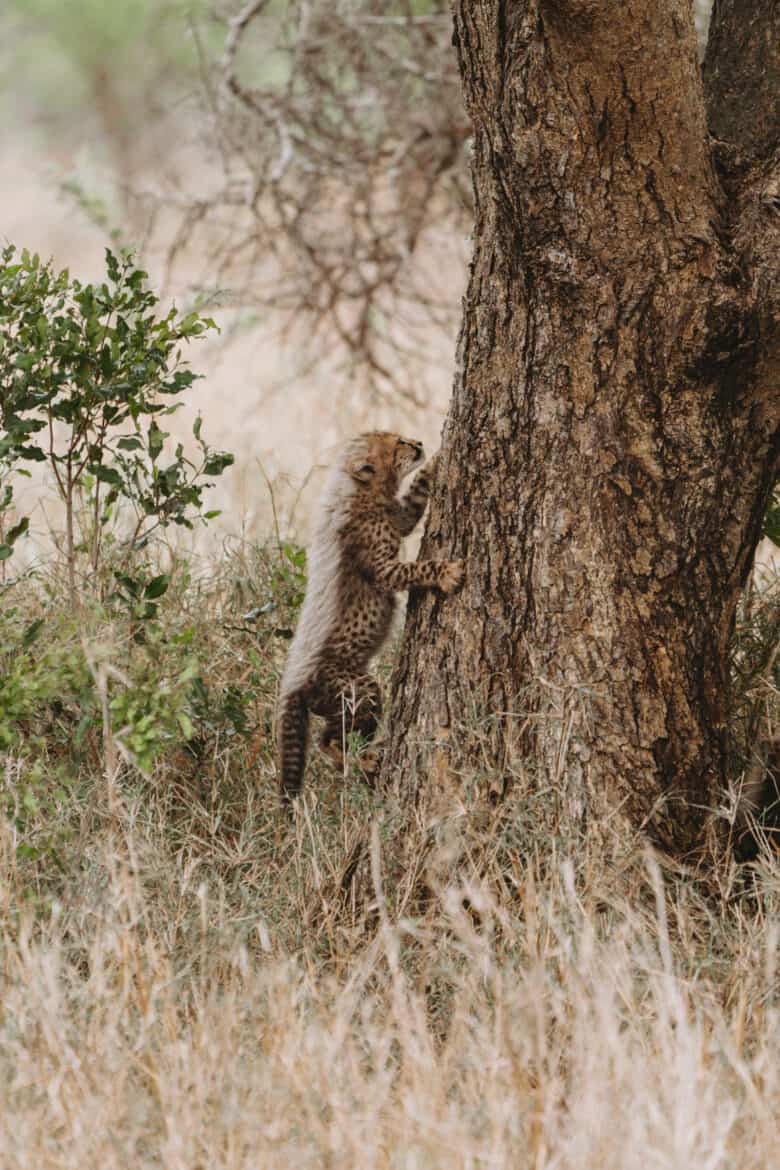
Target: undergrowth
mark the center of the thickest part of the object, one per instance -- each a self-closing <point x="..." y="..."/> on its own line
<point x="191" y="979"/>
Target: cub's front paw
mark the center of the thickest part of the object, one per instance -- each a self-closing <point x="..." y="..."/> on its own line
<point x="369" y="763"/>
<point x="451" y="576"/>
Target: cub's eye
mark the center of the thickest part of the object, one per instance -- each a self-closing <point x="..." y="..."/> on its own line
<point x="361" y="471"/>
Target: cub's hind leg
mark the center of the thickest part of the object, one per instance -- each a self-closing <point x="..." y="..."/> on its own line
<point x="357" y="707"/>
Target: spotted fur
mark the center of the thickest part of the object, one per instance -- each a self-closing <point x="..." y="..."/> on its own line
<point x="354" y="573"/>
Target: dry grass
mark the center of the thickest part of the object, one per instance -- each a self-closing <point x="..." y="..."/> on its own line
<point x="190" y="981"/>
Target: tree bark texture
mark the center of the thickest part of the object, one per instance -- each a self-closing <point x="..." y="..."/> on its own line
<point x="613" y="433"/>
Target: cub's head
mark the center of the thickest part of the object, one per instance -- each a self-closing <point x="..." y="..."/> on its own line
<point x="378" y="461"/>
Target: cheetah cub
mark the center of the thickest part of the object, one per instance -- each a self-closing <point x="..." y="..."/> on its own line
<point x="354" y="574"/>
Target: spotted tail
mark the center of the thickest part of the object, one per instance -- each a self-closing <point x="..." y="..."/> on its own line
<point x="292" y="739"/>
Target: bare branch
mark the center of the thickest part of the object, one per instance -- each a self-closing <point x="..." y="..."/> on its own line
<point x="236" y="29"/>
<point x="340" y="164"/>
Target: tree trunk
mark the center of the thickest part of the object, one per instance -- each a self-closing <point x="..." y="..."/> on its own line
<point x="613" y="433"/>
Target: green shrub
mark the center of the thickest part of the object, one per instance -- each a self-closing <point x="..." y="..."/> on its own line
<point x="42" y="678"/>
<point x="87" y="374"/>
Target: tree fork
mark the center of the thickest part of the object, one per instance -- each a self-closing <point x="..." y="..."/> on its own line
<point x="613" y="433"/>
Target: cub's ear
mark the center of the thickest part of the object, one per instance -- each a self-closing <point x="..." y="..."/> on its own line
<point x="361" y="470"/>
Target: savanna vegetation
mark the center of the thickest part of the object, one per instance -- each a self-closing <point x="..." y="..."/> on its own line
<point x="462" y="977"/>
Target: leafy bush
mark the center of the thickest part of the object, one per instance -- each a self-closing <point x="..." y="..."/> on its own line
<point x="40" y="677"/>
<point x="87" y="372"/>
<point x="152" y="713"/>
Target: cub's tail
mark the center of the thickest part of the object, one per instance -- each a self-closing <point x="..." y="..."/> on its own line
<point x="292" y="736"/>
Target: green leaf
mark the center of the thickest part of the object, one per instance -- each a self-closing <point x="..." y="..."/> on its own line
<point x="190" y="325"/>
<point x="128" y="583"/>
<point x="189" y="673"/>
<point x="217" y="461"/>
<point x="33" y="453"/>
<point x="185" y="723"/>
<point x="155" y="440"/>
<point x="772" y="519"/>
<point x="112" y="266"/>
<point x="106" y="474"/>
<point x="32" y="632"/>
<point x="18" y="530"/>
<point x="157" y="586"/>
<point x="295" y="555"/>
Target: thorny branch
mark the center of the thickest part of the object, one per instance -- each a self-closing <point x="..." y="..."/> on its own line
<point x="343" y="137"/>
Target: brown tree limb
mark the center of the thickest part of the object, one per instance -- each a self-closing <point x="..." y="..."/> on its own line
<point x="742" y="76"/>
<point x="742" y="84"/>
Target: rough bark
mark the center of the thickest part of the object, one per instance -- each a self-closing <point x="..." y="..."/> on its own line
<point x="613" y="433"/>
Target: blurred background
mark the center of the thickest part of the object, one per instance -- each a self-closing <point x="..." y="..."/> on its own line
<point x="299" y="170"/>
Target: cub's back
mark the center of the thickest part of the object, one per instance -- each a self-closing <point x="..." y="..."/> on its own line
<point x="319" y="616"/>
